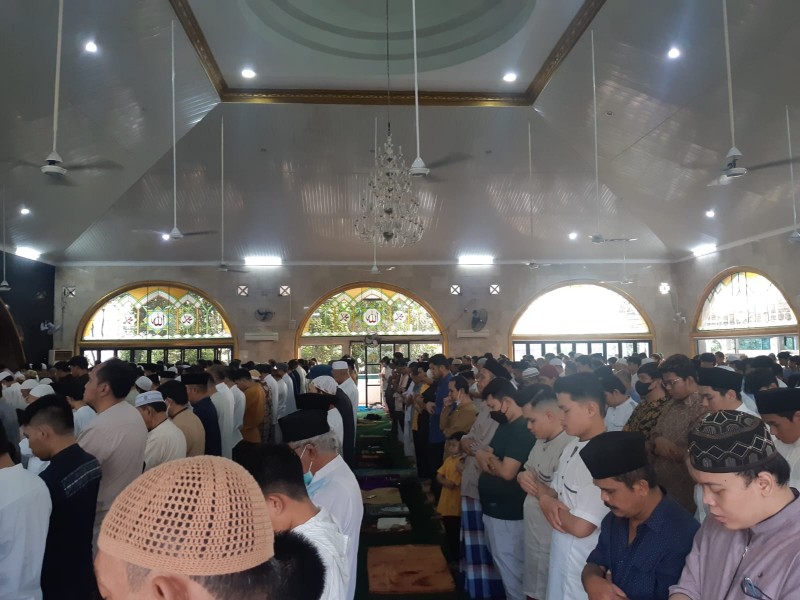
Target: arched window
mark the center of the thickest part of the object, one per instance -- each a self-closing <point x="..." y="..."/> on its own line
<point x="582" y="317"/>
<point x="147" y="322"/>
<point x="743" y="312"/>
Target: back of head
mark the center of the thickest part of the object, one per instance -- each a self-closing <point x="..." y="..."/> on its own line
<point x="499" y="388"/>
<point x="218" y="373"/>
<point x="679" y="364"/>
<point x="119" y="376"/>
<point x="296" y="571"/>
<point x="761" y="362"/>
<point x="277" y="470"/>
<point x="582" y="387"/>
<point x="53" y="411"/>
<point x="613" y="384"/>
<point x="175" y="391"/>
<point x="758" y="379"/>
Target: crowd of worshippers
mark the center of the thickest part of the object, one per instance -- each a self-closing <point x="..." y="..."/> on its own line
<point x="179" y="482"/>
<point x="562" y="477"/>
<point x="572" y="477"/>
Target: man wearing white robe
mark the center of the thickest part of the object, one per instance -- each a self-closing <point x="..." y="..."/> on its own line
<point x="341" y="373"/>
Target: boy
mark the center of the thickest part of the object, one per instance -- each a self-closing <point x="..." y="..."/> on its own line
<point x="449" y="477"/>
<point x="619" y="406"/>
<point x="544" y="422"/>
<point x="573" y="506"/>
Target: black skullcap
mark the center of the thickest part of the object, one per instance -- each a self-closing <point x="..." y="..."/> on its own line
<point x="194" y="378"/>
<point x="614" y="453"/>
<point x="778" y="400"/>
<point x="167" y="374"/>
<point x="729" y="441"/>
<point x="721" y="379"/>
<point x="496" y="369"/>
<point x="303" y="425"/>
<point x="312" y="401"/>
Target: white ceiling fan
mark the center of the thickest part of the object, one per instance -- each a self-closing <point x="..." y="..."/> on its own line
<point x="374" y="270"/>
<point x="626" y="279"/>
<point x="4" y="286"/>
<point x="223" y="266"/>
<point x="598" y="238"/>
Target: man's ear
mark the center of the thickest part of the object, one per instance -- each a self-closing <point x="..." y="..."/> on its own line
<point x="276" y="502"/>
<point x="172" y="587"/>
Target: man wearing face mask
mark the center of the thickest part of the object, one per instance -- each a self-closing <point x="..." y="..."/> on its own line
<point x="653" y="400"/>
<point x="459" y="410"/>
<point x="330" y="482"/>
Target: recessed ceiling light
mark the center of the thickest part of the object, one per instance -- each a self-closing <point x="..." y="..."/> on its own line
<point x="704" y="249"/>
<point x="475" y="259"/>
<point x="24" y="211"/>
<point x="510" y="77"/>
<point x="710" y="213"/>
<point x="165" y="237"/>
<point x="664" y="288"/>
<point x="248" y="73"/>
<point x="674" y="53"/>
<point x="573" y="235"/>
<point x="26" y="252"/>
<point x="263" y="261"/>
<point x="90" y="47"/>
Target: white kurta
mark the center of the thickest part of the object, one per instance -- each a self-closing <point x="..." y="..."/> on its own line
<point x="349" y="387"/>
<point x="335" y="488"/>
<point x="617" y="416"/>
<point x="283" y="393"/>
<point x="336" y="424"/>
<point x="223" y="402"/>
<point x="791" y="452"/>
<point x="13" y="396"/>
<point x="238" y="414"/>
<point x="568" y="554"/>
<point x="25" y="508"/>
<point x="82" y="417"/>
<point x="303" y="379"/>
<point x="165" y="442"/>
<point x="331" y="544"/>
<point x="33" y="464"/>
<point x="274" y="392"/>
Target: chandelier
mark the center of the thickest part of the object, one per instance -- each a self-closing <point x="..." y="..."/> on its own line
<point x="389" y="210"/>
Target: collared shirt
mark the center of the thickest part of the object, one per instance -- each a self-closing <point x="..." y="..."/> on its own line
<point x="165" y="442"/>
<point x="768" y="554"/>
<point x="435" y="433"/>
<point x="238" y="414"/>
<point x="24" y="515"/>
<point x="192" y="429"/>
<point x="335" y="488"/>
<point x="646" y="568"/>
<point x="205" y="411"/>
<point x="331" y="545"/>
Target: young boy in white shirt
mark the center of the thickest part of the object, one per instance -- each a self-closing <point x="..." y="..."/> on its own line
<point x="619" y="406"/>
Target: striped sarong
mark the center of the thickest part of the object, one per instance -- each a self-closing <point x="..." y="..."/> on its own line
<point x="481" y="579"/>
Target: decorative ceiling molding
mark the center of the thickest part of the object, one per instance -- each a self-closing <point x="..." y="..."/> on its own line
<point x="577" y="26"/>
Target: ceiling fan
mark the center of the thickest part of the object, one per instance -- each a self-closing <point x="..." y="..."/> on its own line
<point x="626" y="280"/>
<point x="4" y="286"/>
<point x="54" y="165"/>
<point x="374" y="270"/>
<point x="223" y="266"/>
<point x="599" y="238"/>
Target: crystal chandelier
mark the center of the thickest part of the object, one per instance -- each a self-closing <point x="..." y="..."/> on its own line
<point x="389" y="210"/>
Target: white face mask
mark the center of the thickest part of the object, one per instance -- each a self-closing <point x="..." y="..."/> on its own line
<point x="429" y="374"/>
<point x="474" y="387"/>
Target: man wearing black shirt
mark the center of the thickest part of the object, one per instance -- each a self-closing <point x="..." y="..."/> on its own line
<point x="197" y="391"/>
<point x="73" y="479"/>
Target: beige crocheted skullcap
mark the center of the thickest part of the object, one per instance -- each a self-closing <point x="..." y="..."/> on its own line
<point x="195" y="516"/>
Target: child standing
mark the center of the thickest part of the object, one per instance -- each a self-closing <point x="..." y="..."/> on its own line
<point x="449" y="507"/>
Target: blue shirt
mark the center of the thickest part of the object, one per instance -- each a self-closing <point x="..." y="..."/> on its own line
<point x="207" y="414"/>
<point x="645" y="569"/>
<point x="435" y="434"/>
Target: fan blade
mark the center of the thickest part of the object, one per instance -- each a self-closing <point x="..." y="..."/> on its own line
<point x="619" y="239"/>
<point x="98" y="165"/>
<point x="149" y="232"/>
<point x="721" y="180"/>
<point x="14" y="163"/>
<point x="775" y="163"/>
<point x="207" y="232"/>
<point x="60" y="180"/>
<point x="450" y="159"/>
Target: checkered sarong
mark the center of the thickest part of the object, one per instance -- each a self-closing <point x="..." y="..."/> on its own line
<point x="481" y="579"/>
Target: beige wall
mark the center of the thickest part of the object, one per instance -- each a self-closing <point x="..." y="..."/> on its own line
<point x="519" y="285"/>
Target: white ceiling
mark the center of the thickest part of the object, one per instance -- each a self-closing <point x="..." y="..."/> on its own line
<point x="295" y="173"/>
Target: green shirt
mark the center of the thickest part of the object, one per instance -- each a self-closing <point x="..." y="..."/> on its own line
<point x="502" y="499"/>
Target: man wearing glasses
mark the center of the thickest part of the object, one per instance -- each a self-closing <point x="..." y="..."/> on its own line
<point x="750" y="545"/>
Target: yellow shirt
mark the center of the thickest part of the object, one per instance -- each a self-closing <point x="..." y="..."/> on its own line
<point x="450" y="499"/>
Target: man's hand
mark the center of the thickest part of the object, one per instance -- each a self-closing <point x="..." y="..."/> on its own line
<point x="528" y="482"/>
<point x="430" y="407"/>
<point x="551" y="507"/>
<point x="667" y="449"/>
<point x="447" y="400"/>
<point x="601" y="588"/>
<point x="484" y="458"/>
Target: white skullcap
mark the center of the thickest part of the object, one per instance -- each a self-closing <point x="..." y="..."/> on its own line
<point x="622" y="361"/>
<point x="456" y="361"/>
<point x="173" y="369"/>
<point x="647" y="361"/>
<point x="726" y="367"/>
<point x="340" y="365"/>
<point x="43" y="367"/>
<point x="482" y="361"/>
<point x="326" y="383"/>
<point x="29" y="384"/>
<point x="148" y="398"/>
<point x="41" y="390"/>
<point x="557" y="362"/>
<point x="19" y="375"/>
<point x="45" y="381"/>
<point x="530" y="372"/>
<point x="144" y="383"/>
<point x="732" y="357"/>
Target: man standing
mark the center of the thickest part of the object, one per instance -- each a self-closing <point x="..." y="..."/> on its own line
<point x="330" y="482"/>
<point x="750" y="546"/>
<point x="164" y="440"/>
<point x="238" y="406"/>
<point x="73" y="480"/>
<point x="645" y="538"/>
<point x="197" y="392"/>
<point x="326" y="384"/>
<point x="222" y="399"/>
<point x="12" y="391"/>
<point x="341" y="373"/>
<point x="178" y="409"/>
<point x="257" y="418"/>
<point x="79" y="369"/>
<point x="25" y="508"/>
<point x="286" y="403"/>
<point x="441" y="373"/>
<point x="117" y="436"/>
<point x="720" y="389"/>
<point x="780" y="409"/>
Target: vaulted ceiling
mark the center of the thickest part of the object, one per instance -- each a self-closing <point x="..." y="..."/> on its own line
<point x="299" y="136"/>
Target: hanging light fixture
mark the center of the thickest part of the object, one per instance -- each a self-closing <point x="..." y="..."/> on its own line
<point x="390" y="208"/>
<point x="4" y="287"/>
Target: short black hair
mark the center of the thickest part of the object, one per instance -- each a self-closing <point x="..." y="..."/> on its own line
<point x="52" y="410"/>
<point x="646" y="473"/>
<point x="499" y="388"/>
<point x="175" y="391"/>
<point x="761" y="362"/>
<point x="241" y="374"/>
<point x="582" y="387"/>
<point x="70" y="387"/>
<point x="680" y="364"/>
<point x="438" y="360"/>
<point x="277" y="470"/>
<point x="527" y="393"/>
<point x="776" y="465"/>
<point x="635" y="359"/>
<point x="584" y="360"/>
<point x="79" y="361"/>
<point x="708" y="357"/>
<point x="119" y="376"/>
<point x="296" y="570"/>
<point x="612" y="384"/>
<point x="545" y="395"/>
<point x="460" y="383"/>
<point x="158" y="407"/>
<point x="61" y="366"/>
<point x="757" y="379"/>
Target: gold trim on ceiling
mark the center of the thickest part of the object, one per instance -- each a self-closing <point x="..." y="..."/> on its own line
<point x="577" y="26"/>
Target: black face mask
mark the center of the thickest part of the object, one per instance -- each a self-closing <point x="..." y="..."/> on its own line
<point x="642" y="388"/>
<point x="499" y="416"/>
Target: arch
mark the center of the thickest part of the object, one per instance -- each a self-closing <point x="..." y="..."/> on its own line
<point x="633" y="321"/>
<point x="744" y="300"/>
<point x="421" y="320"/>
<point x="158" y="313"/>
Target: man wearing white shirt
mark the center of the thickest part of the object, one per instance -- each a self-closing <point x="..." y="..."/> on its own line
<point x="165" y="441"/>
<point x="25" y="508"/>
<point x="12" y="392"/>
<point x="238" y="407"/>
<point x="279" y="473"/>
<point x="619" y="406"/>
<point x="341" y="373"/>
<point x="287" y="403"/>
<point x="330" y="482"/>
<point x="274" y="393"/>
<point x="222" y="398"/>
<point x="780" y="410"/>
<point x="301" y="372"/>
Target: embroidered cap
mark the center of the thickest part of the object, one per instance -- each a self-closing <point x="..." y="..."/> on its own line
<point x="729" y="441"/>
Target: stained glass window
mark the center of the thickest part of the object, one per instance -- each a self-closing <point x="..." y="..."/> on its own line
<point x="157" y="313"/>
<point x="578" y="310"/>
<point x="745" y="300"/>
<point x="370" y="311"/>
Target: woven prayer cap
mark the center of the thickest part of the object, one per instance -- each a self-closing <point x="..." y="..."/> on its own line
<point x="196" y="516"/>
